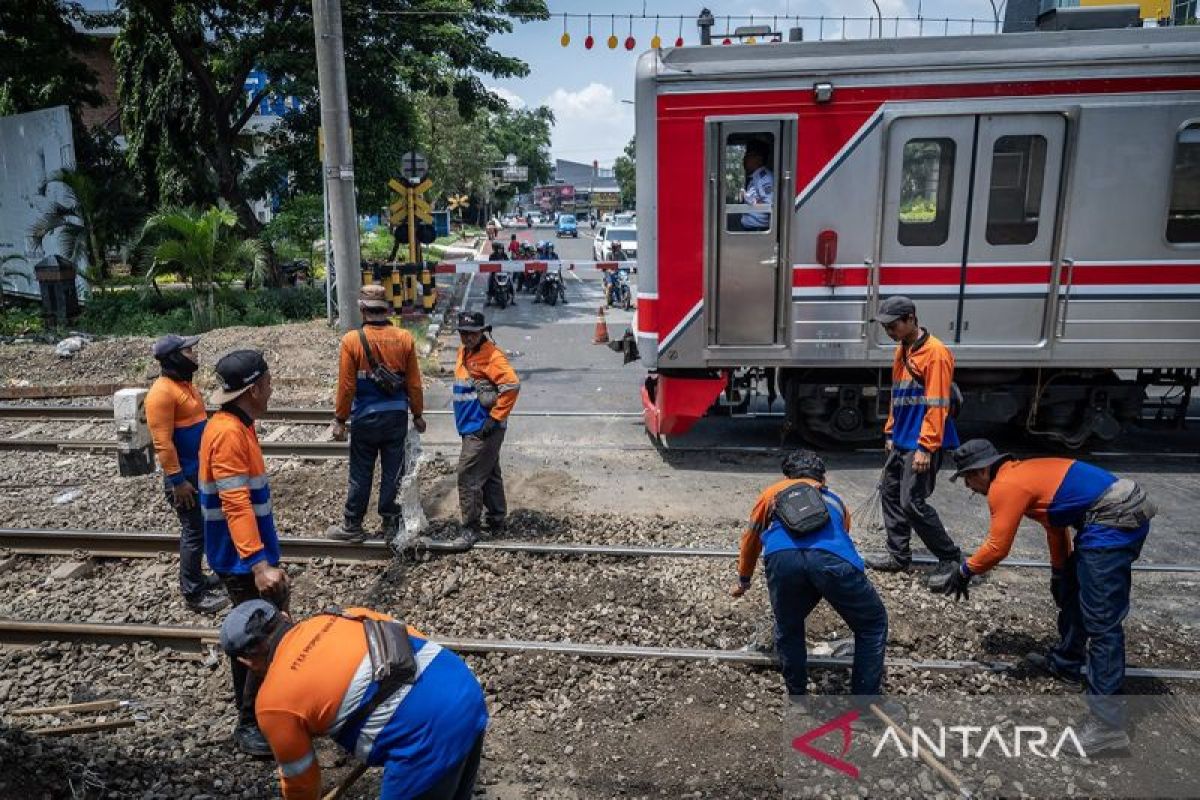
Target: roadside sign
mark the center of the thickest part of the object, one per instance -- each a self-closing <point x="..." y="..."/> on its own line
<point x="413" y="166"/>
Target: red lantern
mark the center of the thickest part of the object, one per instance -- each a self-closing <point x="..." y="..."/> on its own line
<point x="630" y="43"/>
<point x="727" y="40"/>
<point x="589" y="41"/>
<point x="679" y="42"/>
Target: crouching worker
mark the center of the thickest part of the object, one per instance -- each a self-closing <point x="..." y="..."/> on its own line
<point x="380" y="689"/>
<point x="1090" y="577"/>
<point x="802" y="530"/>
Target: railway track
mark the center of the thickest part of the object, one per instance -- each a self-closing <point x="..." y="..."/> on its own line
<point x="131" y="544"/>
<point x="295" y="415"/>
<point x="28" y="633"/>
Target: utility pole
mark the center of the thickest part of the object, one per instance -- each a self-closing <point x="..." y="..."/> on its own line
<point x="338" y="167"/>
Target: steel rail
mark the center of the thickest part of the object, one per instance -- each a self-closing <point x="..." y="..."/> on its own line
<point x="35" y="632"/>
<point x="134" y="544"/>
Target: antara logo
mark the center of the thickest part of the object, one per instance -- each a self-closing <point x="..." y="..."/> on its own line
<point x="976" y="742"/>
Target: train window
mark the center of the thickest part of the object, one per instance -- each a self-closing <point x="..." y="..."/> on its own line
<point x="1015" y="196"/>
<point x="749" y="182"/>
<point x="1183" y="218"/>
<point x="925" y="190"/>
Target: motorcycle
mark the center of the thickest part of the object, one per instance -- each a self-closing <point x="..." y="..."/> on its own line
<point x="552" y="289"/>
<point x="500" y="290"/>
<point x="619" y="293"/>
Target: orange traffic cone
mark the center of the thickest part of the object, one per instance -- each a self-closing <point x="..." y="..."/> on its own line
<point x="601" y="336"/>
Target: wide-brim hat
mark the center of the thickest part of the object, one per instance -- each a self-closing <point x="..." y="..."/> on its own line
<point x="374" y="297"/>
<point x="975" y="454"/>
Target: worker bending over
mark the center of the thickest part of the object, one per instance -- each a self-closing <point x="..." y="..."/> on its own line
<point x="802" y="530"/>
<point x="405" y="703"/>
<point x="1090" y="577"/>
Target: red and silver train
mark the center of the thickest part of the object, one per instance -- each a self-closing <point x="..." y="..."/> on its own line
<point x="1037" y="195"/>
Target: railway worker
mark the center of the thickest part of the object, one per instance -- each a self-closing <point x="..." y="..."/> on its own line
<point x="760" y="185"/>
<point x="802" y="530"/>
<point x="425" y="727"/>
<point x="485" y="391"/>
<point x="176" y="417"/>
<point x="235" y="501"/>
<point x="1090" y="577"/>
<point x="919" y="428"/>
<point x="379" y="382"/>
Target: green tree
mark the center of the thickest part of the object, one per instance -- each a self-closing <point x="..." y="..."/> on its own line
<point x="391" y="49"/>
<point x="96" y="215"/>
<point x="526" y="134"/>
<point x="203" y="248"/>
<point x="299" y="221"/>
<point x="625" y="168"/>
<point x="39" y="67"/>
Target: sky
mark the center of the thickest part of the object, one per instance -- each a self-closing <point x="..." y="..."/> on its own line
<point x="585" y="88"/>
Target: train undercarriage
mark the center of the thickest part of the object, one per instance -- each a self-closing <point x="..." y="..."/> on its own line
<point x="841" y="407"/>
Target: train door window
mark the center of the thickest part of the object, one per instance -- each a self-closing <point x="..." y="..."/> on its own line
<point x="1015" y="194"/>
<point x="1183" y="217"/>
<point x="925" y="192"/>
<point x="749" y="182"/>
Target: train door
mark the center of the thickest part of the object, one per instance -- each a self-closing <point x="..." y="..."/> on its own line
<point x="969" y="228"/>
<point x="749" y="171"/>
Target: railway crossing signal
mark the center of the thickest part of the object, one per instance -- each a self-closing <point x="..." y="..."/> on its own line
<point x="457" y="202"/>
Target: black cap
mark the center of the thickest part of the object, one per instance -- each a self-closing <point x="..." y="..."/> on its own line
<point x="893" y="308"/>
<point x="238" y="371"/>
<point x="803" y="464"/>
<point x="168" y="344"/>
<point x="975" y="454"/>
<point x="472" y="322"/>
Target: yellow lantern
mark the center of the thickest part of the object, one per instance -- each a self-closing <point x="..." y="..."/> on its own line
<point x="612" y="42"/>
<point x="565" y="39"/>
<point x="751" y="40"/>
<point x="656" y="41"/>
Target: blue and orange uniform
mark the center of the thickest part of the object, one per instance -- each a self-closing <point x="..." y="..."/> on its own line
<point x="235" y="498"/>
<point x="321" y="673"/>
<point x="918" y="420"/>
<point x="486" y="362"/>
<point x="1091" y="573"/>
<point x="176" y="416"/>
<point x="802" y="570"/>
<point x="357" y="394"/>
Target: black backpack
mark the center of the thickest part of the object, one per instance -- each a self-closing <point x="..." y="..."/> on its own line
<point x="385" y="380"/>
<point x="801" y="508"/>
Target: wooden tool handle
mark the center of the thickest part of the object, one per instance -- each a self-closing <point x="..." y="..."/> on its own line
<point x="946" y="775"/>
<point x="339" y="791"/>
<point x="94" y="705"/>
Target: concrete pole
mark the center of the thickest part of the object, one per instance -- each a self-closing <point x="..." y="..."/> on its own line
<point x="338" y="167"/>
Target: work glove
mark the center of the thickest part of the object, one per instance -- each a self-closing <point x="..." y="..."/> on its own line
<point x="489" y="427"/>
<point x="1058" y="586"/>
<point x="958" y="583"/>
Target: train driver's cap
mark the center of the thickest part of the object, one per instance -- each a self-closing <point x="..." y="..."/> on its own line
<point x="893" y="308"/>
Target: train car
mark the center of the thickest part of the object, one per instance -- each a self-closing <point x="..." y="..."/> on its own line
<point x="1036" y="194"/>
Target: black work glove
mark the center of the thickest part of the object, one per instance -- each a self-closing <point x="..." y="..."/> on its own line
<point x="489" y="427"/>
<point x="958" y="583"/>
<point x="1058" y="586"/>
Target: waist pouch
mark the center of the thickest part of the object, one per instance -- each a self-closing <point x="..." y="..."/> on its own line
<point x="393" y="663"/>
<point x="801" y="508"/>
<point x="385" y="380"/>
<point x="486" y="392"/>
<point x="1125" y="506"/>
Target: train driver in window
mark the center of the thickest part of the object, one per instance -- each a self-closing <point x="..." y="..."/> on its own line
<point x="760" y="185"/>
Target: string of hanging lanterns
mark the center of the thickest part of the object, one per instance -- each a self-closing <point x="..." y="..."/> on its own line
<point x="612" y="42"/>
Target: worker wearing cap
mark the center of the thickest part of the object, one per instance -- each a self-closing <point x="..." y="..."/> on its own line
<point x="235" y="501"/>
<point x="485" y="391"/>
<point x="427" y="734"/>
<point x="176" y="417"/>
<point x="803" y="569"/>
<point x="378" y="415"/>
<point x="918" y="430"/>
<point x="1090" y="573"/>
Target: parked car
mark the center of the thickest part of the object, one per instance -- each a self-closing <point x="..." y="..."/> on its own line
<point x="602" y="246"/>
<point x="567" y="226"/>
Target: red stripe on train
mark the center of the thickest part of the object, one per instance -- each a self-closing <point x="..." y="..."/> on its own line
<point x="997" y="275"/>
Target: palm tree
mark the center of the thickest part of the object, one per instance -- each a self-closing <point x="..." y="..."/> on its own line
<point x="202" y="248"/>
